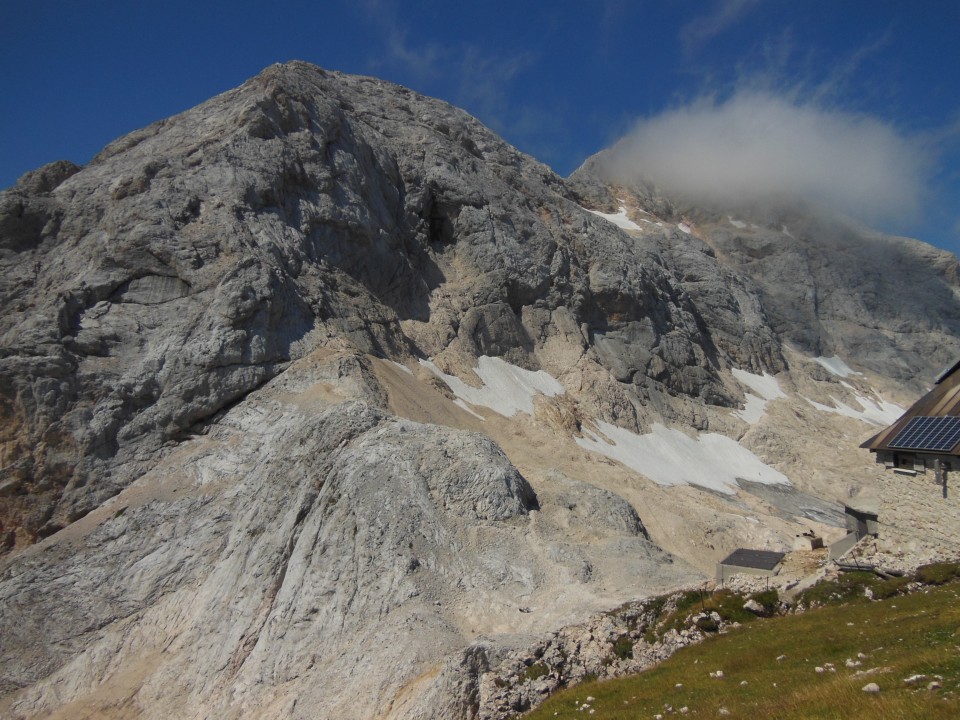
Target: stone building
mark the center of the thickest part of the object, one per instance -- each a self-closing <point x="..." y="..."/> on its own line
<point x="925" y="441"/>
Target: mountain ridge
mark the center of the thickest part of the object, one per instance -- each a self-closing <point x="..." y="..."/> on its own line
<point x="274" y="296"/>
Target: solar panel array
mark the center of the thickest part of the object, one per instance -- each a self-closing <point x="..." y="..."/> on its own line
<point x="928" y="433"/>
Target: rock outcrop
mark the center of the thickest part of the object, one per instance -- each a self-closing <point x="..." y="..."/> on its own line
<point x="825" y="284"/>
<point x="190" y="261"/>
<point x="234" y="481"/>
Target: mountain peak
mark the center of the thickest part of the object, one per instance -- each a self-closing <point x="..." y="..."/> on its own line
<point x="322" y="363"/>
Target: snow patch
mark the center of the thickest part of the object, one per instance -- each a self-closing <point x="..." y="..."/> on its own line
<point x="463" y="406"/>
<point x="766" y="387"/>
<point x="837" y="366"/>
<point x="736" y="223"/>
<point x="507" y="389"/>
<point x="619" y="219"/>
<point x="684" y="228"/>
<point x="754" y="408"/>
<point x="403" y="367"/>
<point x="669" y="457"/>
<point x="880" y="413"/>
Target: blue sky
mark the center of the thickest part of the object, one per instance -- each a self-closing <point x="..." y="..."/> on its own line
<point x="859" y="97"/>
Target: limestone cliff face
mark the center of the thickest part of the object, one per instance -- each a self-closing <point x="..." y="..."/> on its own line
<point x="826" y="284"/>
<point x="229" y="488"/>
<point x="192" y="260"/>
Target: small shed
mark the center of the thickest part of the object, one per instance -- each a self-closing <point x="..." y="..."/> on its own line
<point x="927" y="436"/>
<point x="862" y="515"/>
<point x="764" y="563"/>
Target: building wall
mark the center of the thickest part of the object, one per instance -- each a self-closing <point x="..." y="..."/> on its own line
<point x="915" y="517"/>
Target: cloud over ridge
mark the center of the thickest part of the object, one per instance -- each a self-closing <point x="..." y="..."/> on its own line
<point x="757" y="146"/>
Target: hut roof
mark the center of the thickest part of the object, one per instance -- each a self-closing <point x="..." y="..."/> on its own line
<point x="758" y="559"/>
<point x="932" y="424"/>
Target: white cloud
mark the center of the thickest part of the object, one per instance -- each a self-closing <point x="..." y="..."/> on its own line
<point x="704" y="27"/>
<point x="758" y="146"/>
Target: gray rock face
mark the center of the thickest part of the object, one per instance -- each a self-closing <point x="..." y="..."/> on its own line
<point x="262" y="565"/>
<point x="819" y="282"/>
<point x="192" y="260"/>
<point x="208" y="509"/>
<point x="829" y="286"/>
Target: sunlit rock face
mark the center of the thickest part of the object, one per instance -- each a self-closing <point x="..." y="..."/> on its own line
<point x="319" y="397"/>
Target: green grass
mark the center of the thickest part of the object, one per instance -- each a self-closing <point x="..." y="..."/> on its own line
<point x="727" y="604"/>
<point x="938" y="573"/>
<point x="901" y="636"/>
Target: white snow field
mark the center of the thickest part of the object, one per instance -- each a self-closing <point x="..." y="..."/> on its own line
<point x="880" y="413"/>
<point x="669" y="457"/>
<point x="507" y="389"/>
<point x="837" y="366"/>
<point x="766" y="388"/>
<point x="619" y="219"/>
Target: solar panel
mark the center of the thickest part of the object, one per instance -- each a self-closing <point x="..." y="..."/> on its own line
<point x="928" y="433"/>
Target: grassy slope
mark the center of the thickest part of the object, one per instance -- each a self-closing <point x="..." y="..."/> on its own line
<point x="900" y="637"/>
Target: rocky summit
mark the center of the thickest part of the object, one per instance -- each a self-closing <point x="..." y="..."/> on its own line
<point x="319" y="400"/>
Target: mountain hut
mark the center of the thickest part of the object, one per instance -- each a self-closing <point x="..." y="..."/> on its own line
<point x="926" y="438"/>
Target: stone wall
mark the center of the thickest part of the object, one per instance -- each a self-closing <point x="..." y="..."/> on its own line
<point x="917" y="524"/>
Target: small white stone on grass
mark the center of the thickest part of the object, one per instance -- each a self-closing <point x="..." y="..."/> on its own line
<point x="871" y="688"/>
<point x="819" y="669"/>
<point x="742" y="683"/>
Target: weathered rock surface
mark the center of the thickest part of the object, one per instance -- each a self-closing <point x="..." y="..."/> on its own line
<point x="259" y="566"/>
<point x="218" y="496"/>
<point x="826" y="285"/>
<point x="191" y="260"/>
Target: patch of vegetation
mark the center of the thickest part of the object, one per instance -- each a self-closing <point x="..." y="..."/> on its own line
<point x="726" y="603"/>
<point x="938" y="573"/>
<point x="689" y="599"/>
<point x="535" y="672"/>
<point x="846" y="588"/>
<point x="769" y="667"/>
<point x="708" y="625"/>
<point x="890" y="588"/>
<point x="623" y="647"/>
<point x="769" y="600"/>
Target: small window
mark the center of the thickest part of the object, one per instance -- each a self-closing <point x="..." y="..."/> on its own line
<point x="905" y="460"/>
